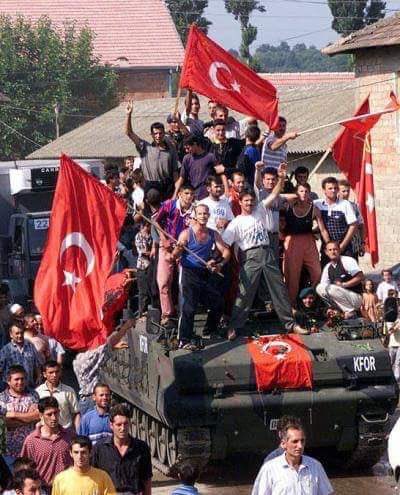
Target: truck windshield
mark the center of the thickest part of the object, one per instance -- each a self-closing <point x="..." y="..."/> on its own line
<point x="37" y="234"/>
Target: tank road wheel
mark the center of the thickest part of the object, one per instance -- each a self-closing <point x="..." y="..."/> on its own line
<point x="152" y="436"/>
<point x="161" y="438"/>
<point x="172" y="450"/>
<point x="143" y="426"/>
<point x="134" y="423"/>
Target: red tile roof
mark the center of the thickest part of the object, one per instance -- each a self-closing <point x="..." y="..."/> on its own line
<point x="293" y="79"/>
<point x="129" y="33"/>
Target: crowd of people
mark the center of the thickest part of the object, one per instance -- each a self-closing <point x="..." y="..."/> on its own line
<point x="213" y="219"/>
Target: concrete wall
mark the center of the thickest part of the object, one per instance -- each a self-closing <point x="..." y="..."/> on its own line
<point x="376" y="74"/>
<point x="143" y="84"/>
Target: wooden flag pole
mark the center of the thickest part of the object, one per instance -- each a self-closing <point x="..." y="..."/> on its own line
<point x="358" y="117"/>
<point x="321" y="161"/>
<point x="178" y="96"/>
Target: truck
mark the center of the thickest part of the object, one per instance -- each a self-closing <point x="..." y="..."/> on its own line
<point x="203" y="406"/>
<point x="26" y="193"/>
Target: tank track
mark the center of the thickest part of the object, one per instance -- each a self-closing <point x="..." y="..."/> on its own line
<point x="170" y="448"/>
<point x="371" y="445"/>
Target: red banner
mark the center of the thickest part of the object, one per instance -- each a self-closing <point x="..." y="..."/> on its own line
<point x="281" y="361"/>
<point x="210" y="70"/>
<point x="85" y="222"/>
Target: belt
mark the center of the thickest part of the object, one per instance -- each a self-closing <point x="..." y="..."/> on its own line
<point x="263" y="246"/>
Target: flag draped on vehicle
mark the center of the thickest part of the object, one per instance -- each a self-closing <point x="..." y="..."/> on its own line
<point x="85" y="222"/>
<point x="211" y="71"/>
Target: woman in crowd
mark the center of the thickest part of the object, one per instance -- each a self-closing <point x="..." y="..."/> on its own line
<point x="300" y="247"/>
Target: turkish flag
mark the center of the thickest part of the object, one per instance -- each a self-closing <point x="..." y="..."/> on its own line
<point x="352" y="153"/>
<point x="210" y="70"/>
<point x="281" y="362"/>
<point x="85" y="222"/>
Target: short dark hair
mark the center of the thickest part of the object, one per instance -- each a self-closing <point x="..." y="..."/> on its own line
<point x="238" y="173"/>
<point x="16" y="324"/>
<point x="50" y="363"/>
<point x="253" y="133"/>
<point x="18" y="482"/>
<point x="247" y="192"/>
<point x="157" y="125"/>
<point x="213" y="178"/>
<point x="387" y="270"/>
<point x="270" y="171"/>
<point x="188" y="473"/>
<point x="344" y="182"/>
<point x="100" y="385"/>
<point x="137" y="176"/>
<point x="194" y="96"/>
<point x="329" y="180"/>
<point x="47" y="403"/>
<point x="294" y="424"/>
<point x="185" y="187"/>
<point x="119" y="410"/>
<point x="219" y="122"/>
<point x="284" y="421"/>
<point x="23" y="463"/>
<point x="223" y="108"/>
<point x="110" y="175"/>
<point x="332" y="242"/>
<point x="301" y="170"/>
<point x="306" y="185"/>
<point x="82" y="441"/>
<point x="193" y="139"/>
<point x="14" y="369"/>
<point x="282" y="119"/>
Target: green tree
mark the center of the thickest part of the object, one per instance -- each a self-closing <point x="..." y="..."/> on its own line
<point x="351" y="15"/>
<point x="299" y="58"/>
<point x="39" y="68"/>
<point x="186" y="12"/>
<point x="241" y="11"/>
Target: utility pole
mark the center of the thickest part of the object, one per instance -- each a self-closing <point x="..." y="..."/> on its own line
<point x="57" y="113"/>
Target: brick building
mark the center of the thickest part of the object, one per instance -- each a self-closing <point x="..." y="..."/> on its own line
<point x="376" y="51"/>
<point x="136" y="37"/>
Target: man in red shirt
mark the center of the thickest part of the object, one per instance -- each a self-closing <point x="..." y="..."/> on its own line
<point x="48" y="445"/>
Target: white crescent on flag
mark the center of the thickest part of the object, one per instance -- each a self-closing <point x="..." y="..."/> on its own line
<point x="213" y="73"/>
<point x="79" y="240"/>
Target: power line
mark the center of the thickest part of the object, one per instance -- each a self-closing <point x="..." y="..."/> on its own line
<point x="20" y="134"/>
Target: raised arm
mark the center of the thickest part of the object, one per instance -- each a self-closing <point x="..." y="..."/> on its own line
<point x="279" y="185"/>
<point x="128" y="124"/>
<point x="258" y="175"/>
<point x="283" y="140"/>
<point x="120" y="332"/>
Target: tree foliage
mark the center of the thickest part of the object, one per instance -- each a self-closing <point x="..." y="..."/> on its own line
<point x="186" y="12"/>
<point x="41" y="66"/>
<point x="351" y="15"/>
<point x="241" y="10"/>
<point x="299" y="58"/>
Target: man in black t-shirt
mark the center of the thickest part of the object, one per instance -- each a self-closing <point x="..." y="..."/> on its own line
<point x="226" y="150"/>
<point x="126" y="459"/>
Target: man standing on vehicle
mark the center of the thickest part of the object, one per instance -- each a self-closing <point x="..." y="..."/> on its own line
<point x="126" y="459"/>
<point x="292" y="472"/>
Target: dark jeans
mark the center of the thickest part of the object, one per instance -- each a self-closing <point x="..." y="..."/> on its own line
<point x="199" y="286"/>
<point x="259" y="269"/>
<point x="143" y="283"/>
<point x="152" y="281"/>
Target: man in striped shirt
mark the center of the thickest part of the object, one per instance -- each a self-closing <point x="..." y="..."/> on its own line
<point x="274" y="150"/>
<point x="292" y="472"/>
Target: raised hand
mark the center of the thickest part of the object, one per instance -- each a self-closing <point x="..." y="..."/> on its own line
<point x="129" y="107"/>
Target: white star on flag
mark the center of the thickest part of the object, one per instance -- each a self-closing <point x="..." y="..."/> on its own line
<point x="71" y="279"/>
<point x="368" y="168"/>
<point x="236" y="86"/>
<point x="370" y="202"/>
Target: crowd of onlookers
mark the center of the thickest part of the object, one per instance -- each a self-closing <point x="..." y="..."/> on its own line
<point x="213" y="219"/>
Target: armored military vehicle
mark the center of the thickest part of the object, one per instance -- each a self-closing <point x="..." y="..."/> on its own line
<point x="205" y="405"/>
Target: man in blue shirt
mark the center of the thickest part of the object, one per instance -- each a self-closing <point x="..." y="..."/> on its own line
<point x="95" y="424"/>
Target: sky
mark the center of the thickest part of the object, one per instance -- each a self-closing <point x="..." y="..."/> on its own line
<point x="294" y="21"/>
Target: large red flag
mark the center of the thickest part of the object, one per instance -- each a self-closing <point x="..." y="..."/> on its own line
<point x="85" y="222"/>
<point x="352" y="153"/>
<point x="211" y="71"/>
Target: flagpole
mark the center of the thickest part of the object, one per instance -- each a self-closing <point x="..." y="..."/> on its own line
<point x="321" y="161"/>
<point x="158" y="227"/>
<point x="338" y="122"/>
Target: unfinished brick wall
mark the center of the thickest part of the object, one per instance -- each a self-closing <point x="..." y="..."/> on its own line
<point x="377" y="74"/>
<point x="143" y="85"/>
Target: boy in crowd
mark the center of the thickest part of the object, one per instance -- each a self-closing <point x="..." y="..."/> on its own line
<point x="218" y="205"/>
<point x="143" y="243"/>
<point x="82" y="477"/>
<point x="386" y="285"/>
<point x="250" y="154"/>
<point x="66" y="397"/>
